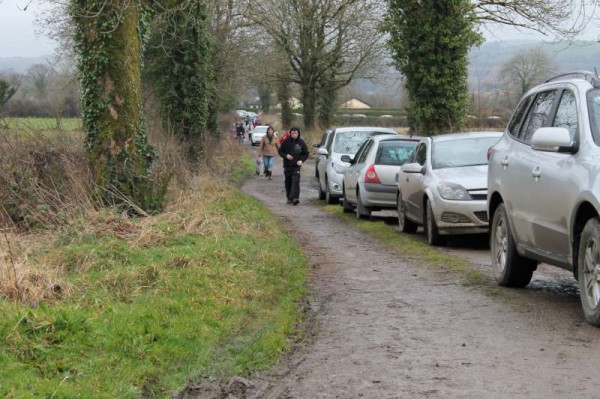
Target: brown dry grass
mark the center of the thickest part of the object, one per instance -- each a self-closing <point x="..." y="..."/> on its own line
<point x="46" y="190"/>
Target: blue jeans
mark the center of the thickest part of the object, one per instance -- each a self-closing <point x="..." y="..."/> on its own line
<point x="268" y="162"/>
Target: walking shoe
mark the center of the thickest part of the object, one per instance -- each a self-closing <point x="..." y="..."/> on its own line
<point x="295" y="201"/>
<point x="289" y="201"/>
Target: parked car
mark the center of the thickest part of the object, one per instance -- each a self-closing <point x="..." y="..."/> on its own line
<point x="257" y="134"/>
<point x="443" y="187"/>
<point x="369" y="184"/>
<point x="544" y="187"/>
<point x="318" y="145"/>
<point x="330" y="167"/>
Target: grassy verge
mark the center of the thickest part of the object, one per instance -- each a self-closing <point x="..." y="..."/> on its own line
<point x="43" y="123"/>
<point x="138" y="307"/>
<point x="411" y="248"/>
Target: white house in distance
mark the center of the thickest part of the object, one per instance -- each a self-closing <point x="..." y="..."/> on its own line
<point x="355" y="103"/>
<point x="293" y="101"/>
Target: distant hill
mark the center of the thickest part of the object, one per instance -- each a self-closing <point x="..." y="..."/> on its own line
<point x="19" y="64"/>
<point x="486" y="60"/>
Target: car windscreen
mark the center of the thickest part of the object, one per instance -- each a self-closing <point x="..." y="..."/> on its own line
<point x="470" y="151"/>
<point x="594" y="108"/>
<point x="394" y="152"/>
<point x="260" y="129"/>
<point x="350" y="142"/>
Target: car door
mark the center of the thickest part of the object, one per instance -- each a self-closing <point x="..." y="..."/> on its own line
<point x="519" y="183"/>
<point x="411" y="185"/>
<point x="322" y="160"/>
<point x="358" y="164"/>
<point x="553" y="183"/>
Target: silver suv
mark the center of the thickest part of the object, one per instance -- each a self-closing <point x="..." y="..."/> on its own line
<point x="544" y="187"/>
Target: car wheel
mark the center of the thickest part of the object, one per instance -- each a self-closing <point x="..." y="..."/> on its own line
<point x="588" y="271"/>
<point x="330" y="199"/>
<point x="321" y="192"/>
<point x="433" y="235"/>
<point x="362" y="212"/>
<point x="345" y="204"/>
<point x="510" y="269"/>
<point x="405" y="225"/>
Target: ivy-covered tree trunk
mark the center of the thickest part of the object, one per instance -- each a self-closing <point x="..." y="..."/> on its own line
<point x="283" y="96"/>
<point x="108" y="42"/>
<point x="326" y="103"/>
<point x="179" y="67"/>
<point x="309" y="103"/>
<point x="430" y="41"/>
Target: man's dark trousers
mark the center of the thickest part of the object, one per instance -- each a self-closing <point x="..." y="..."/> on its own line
<point x="292" y="183"/>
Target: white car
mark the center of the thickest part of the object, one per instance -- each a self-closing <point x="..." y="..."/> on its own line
<point x="330" y="167"/>
<point x="320" y="144"/>
<point x="370" y="184"/>
<point x="257" y="134"/>
<point x="443" y="187"/>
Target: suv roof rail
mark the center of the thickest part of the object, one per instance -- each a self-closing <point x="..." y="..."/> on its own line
<point x="591" y="77"/>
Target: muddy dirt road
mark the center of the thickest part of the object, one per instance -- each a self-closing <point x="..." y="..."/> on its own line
<point x="387" y="328"/>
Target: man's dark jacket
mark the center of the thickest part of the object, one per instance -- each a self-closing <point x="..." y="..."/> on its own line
<point x="296" y="148"/>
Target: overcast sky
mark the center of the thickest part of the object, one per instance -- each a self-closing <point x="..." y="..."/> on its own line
<point x="17" y="31"/>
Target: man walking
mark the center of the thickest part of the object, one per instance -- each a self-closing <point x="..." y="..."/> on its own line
<point x="294" y="152"/>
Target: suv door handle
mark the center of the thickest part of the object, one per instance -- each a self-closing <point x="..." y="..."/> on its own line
<point x="504" y="162"/>
<point x="536" y="172"/>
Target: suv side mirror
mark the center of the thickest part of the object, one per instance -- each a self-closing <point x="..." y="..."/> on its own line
<point x="346" y="158"/>
<point x="322" y="151"/>
<point x="552" y="139"/>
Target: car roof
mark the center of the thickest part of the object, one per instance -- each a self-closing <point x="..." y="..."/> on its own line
<point x="463" y="135"/>
<point x="400" y="137"/>
<point x="364" y="129"/>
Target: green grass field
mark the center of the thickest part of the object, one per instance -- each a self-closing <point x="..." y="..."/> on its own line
<point x="43" y="123"/>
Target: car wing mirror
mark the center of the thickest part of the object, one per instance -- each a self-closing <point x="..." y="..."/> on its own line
<point x="413" y="168"/>
<point x="552" y="139"/>
<point x="347" y="158"/>
<point x="322" y="151"/>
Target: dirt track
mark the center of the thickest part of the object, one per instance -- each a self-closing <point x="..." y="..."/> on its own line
<point x="387" y="328"/>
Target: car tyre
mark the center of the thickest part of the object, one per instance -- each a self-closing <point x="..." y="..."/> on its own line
<point x="330" y="199"/>
<point x="362" y="212"/>
<point x="346" y="206"/>
<point x="588" y="271"/>
<point x="405" y="225"/>
<point x="433" y="235"/>
<point x="321" y="192"/>
<point x="510" y="269"/>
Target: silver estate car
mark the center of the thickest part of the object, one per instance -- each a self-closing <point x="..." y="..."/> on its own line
<point x="443" y="187"/>
<point x="330" y="167"/>
<point x="369" y="184"/>
<point x="544" y="187"/>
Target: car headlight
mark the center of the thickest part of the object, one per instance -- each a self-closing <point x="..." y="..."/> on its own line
<point x="452" y="191"/>
<point x="339" y="168"/>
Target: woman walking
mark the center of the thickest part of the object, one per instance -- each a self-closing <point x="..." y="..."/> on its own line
<point x="267" y="149"/>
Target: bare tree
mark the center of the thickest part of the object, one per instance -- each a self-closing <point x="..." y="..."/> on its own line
<point x="526" y="69"/>
<point x="39" y="78"/>
<point x="327" y="43"/>
<point x="563" y="18"/>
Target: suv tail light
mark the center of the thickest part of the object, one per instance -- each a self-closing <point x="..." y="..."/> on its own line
<point x="489" y="153"/>
<point x="371" y="175"/>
